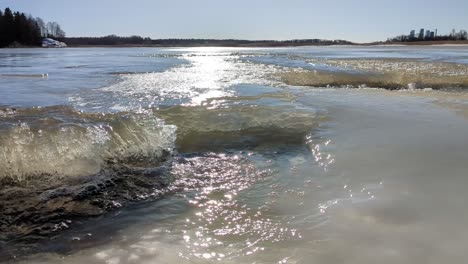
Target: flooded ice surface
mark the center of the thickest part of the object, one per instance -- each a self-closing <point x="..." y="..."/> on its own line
<point x="206" y="75"/>
<point x="382" y="73"/>
<point x="205" y="156"/>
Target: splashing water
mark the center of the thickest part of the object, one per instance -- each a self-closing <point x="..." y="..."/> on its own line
<point x="206" y="156"/>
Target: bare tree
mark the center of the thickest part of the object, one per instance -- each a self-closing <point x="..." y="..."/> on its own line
<point x="59" y="32"/>
<point x="52" y="29"/>
<point x="463" y="35"/>
<point x="42" y="26"/>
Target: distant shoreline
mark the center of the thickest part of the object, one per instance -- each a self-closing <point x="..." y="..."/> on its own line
<point x="419" y="43"/>
<point x="254" y="45"/>
<point x="261" y="44"/>
<point x="135" y="41"/>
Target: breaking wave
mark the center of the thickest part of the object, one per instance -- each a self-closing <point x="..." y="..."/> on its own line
<point x="58" y="164"/>
<point x="238" y="127"/>
<point x="61" y="141"/>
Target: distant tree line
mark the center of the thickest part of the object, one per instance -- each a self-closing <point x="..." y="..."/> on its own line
<point x="110" y="40"/>
<point x="454" y="35"/>
<point x="19" y="28"/>
<point x="113" y="40"/>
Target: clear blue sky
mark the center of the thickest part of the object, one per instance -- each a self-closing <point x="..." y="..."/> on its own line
<point x="356" y="20"/>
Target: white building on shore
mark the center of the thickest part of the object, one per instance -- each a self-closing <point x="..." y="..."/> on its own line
<point x="52" y="43"/>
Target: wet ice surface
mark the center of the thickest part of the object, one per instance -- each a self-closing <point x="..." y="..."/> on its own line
<point x="263" y="172"/>
<point x="208" y="75"/>
<point x="66" y="72"/>
<point x="383" y="181"/>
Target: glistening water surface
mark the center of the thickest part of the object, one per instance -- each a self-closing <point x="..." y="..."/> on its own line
<point x="234" y="155"/>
